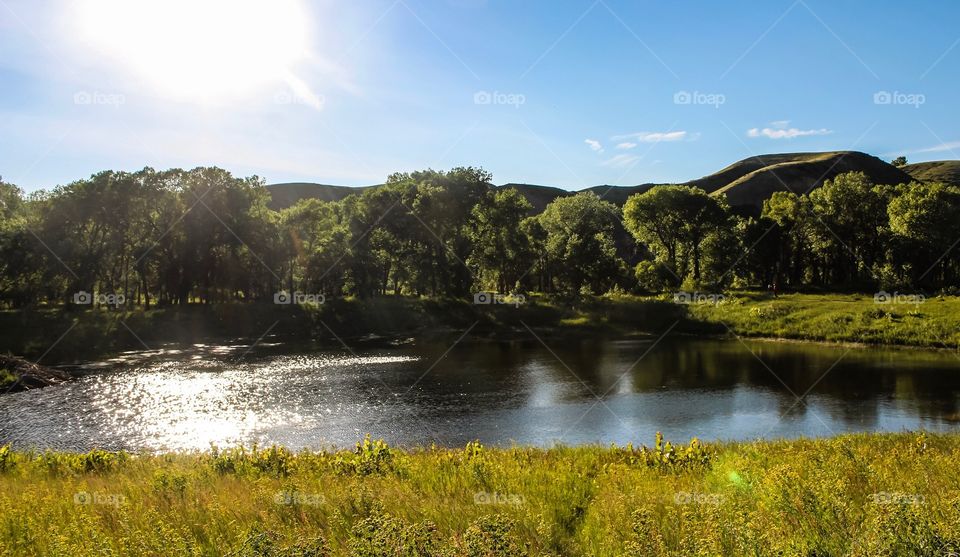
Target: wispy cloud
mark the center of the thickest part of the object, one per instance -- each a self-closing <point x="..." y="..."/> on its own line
<point x="594" y="144"/>
<point x="946" y="146"/>
<point x="621" y="160"/>
<point x="626" y="145"/>
<point x="779" y="130"/>
<point x="652" y="137"/>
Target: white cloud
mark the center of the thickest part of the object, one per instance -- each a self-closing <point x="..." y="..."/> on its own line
<point x="780" y="131"/>
<point x="594" y="144"/>
<point x="621" y="160"/>
<point x="626" y="145"/>
<point x="652" y="137"/>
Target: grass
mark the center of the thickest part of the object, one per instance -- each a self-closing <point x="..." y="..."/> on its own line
<point x="932" y="323"/>
<point x="7" y="378"/>
<point x="62" y="335"/>
<point x="885" y="494"/>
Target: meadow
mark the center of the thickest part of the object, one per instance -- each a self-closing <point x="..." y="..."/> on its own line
<point x="871" y="494"/>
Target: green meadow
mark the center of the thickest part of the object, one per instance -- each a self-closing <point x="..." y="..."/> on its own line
<point x="864" y="495"/>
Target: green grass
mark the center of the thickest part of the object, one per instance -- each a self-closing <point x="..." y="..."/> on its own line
<point x="61" y="335"/>
<point x="933" y="323"/>
<point x="7" y="378"/>
<point x="888" y="494"/>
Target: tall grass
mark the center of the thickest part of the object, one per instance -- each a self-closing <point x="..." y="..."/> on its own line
<point x="889" y="494"/>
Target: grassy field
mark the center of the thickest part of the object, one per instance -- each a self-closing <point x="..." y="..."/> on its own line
<point x="889" y="494"/>
<point x="933" y="322"/>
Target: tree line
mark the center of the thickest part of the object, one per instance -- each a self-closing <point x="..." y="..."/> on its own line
<point x="189" y="236"/>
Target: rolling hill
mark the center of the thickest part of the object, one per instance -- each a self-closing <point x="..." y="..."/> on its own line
<point x="947" y="172"/>
<point x="746" y="183"/>
<point x="801" y="173"/>
<point x="287" y="194"/>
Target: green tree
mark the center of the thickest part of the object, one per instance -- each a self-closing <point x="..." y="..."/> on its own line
<point x="500" y="248"/>
<point x="580" y="242"/>
<point x="924" y="218"/>
<point x="674" y="222"/>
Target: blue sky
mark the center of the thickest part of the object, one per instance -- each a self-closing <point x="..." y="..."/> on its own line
<point x="571" y="94"/>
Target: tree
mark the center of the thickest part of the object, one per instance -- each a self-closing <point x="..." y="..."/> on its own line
<point x="924" y="217"/>
<point x="674" y="222"/>
<point x="850" y="215"/>
<point x="899" y="162"/>
<point x="580" y="242"/>
<point x="500" y="247"/>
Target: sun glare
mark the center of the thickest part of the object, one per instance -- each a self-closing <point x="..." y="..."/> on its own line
<point x="197" y="49"/>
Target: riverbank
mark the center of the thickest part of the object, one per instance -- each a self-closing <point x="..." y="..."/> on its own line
<point x="885" y="494"/>
<point x="17" y="374"/>
<point x="63" y="336"/>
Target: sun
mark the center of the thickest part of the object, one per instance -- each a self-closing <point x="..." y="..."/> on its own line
<point x="203" y="50"/>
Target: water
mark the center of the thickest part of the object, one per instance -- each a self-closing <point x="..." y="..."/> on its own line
<point x="574" y="392"/>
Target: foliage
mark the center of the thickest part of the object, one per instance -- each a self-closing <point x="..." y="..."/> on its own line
<point x="178" y="237"/>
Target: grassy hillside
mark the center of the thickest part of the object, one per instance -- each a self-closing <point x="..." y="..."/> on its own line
<point x="538" y="196"/>
<point x="858" y="495"/>
<point x="746" y="183"/>
<point x="947" y="172"/>
<point x="286" y="195"/>
<point x="805" y="172"/>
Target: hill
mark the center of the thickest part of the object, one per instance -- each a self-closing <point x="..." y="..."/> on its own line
<point x="746" y="183"/>
<point x="287" y="194"/>
<point x="947" y="172"/>
<point x="800" y="173"/>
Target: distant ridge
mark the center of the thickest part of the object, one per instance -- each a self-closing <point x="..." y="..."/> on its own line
<point x="746" y="183"/>
<point x="947" y="172"/>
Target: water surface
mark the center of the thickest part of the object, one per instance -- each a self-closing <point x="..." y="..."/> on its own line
<point x="572" y="392"/>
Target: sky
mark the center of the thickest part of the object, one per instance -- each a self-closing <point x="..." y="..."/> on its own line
<point x="564" y="93"/>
